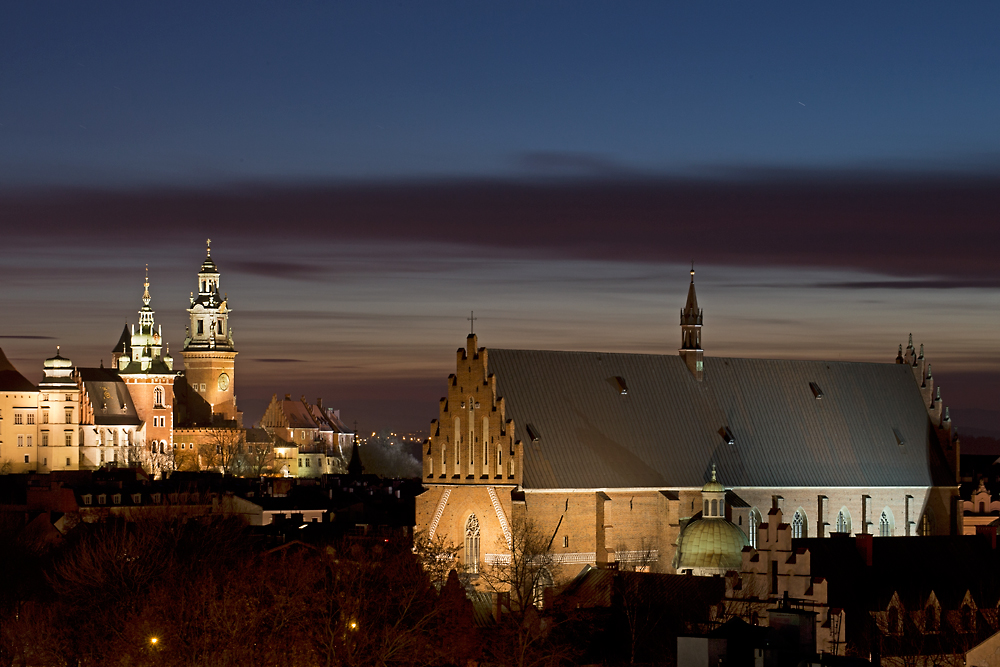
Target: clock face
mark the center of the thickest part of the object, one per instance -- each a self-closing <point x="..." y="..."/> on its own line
<point x="223" y="381"/>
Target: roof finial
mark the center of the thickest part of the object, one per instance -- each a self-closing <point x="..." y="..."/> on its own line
<point x="692" y="270"/>
<point x="57" y="350"/>
<point x="145" y="284"/>
<point x="472" y="319"/>
<point x="713" y="467"/>
<point x="209" y="244"/>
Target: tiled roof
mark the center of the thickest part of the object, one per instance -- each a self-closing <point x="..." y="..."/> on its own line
<point x="297" y="414"/>
<point x="757" y="419"/>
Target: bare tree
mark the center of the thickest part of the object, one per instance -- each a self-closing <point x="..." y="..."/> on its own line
<point x="223" y="451"/>
<point x="519" y="578"/>
<point x="258" y="457"/>
<point x="438" y="557"/>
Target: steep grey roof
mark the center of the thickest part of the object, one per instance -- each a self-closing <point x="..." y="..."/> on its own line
<point x="11" y="379"/>
<point x="667" y="429"/>
<point x="109" y="397"/>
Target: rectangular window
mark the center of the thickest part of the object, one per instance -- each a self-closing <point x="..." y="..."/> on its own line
<point x="201" y="327"/>
<point x="307" y="462"/>
<point x="69" y="398"/>
<point x="69" y="415"/>
<point x="69" y="438"/>
<point x="31" y="417"/>
<point x="45" y="416"/>
<point x="28" y="441"/>
<point x="18" y="418"/>
<point x="26" y="460"/>
<point x="300" y="462"/>
<point x="45" y="439"/>
<point x="565" y="540"/>
<point x="67" y="460"/>
<point x="20" y="441"/>
<point x="45" y="461"/>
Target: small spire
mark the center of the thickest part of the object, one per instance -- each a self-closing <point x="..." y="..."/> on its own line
<point x="921" y="351"/>
<point x="899" y="355"/>
<point x="692" y="270"/>
<point x="208" y="243"/>
<point x="713" y="465"/>
<point x="472" y="322"/>
<point x="57" y="350"/>
<point x="145" y="284"/>
<point x="929" y="375"/>
<point x="947" y="415"/>
<point x="910" y="344"/>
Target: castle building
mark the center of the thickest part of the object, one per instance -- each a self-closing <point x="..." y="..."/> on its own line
<point x="18" y="417"/>
<point x="110" y="426"/>
<point x="313" y="439"/>
<point x="609" y="453"/>
<point x="59" y="416"/>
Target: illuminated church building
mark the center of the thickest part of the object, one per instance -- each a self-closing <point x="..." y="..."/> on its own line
<point x="611" y="455"/>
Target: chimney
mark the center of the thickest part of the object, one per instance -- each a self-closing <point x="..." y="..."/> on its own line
<point x="864" y="544"/>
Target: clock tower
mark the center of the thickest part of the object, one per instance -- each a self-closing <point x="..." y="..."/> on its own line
<point x="209" y="354"/>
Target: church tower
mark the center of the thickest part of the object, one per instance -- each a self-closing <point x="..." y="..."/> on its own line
<point x="209" y="354"/>
<point x="691" y="319"/>
<point x="143" y="362"/>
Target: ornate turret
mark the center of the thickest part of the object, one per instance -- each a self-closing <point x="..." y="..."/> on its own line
<point x="691" y="321"/>
<point x="142" y="352"/>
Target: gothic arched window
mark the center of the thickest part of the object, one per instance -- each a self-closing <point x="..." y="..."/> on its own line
<point x="843" y="521"/>
<point x="885" y="524"/>
<point x="754" y="526"/>
<point x="472" y="545"/>
<point x="458" y="444"/>
<point x="799" y="524"/>
<point x="542" y="581"/>
<point x="158" y="397"/>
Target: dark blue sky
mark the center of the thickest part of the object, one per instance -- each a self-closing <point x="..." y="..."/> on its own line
<point x="201" y="93"/>
<point x="370" y="172"/>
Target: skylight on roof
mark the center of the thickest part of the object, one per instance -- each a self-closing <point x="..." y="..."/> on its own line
<point x="622" y="387"/>
<point x="533" y="433"/>
<point x="817" y="392"/>
<point x="727" y="435"/>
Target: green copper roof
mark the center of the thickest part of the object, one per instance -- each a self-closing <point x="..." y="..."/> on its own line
<point x="711" y="543"/>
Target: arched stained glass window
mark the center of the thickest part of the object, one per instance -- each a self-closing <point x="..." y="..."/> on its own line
<point x="542" y="581"/>
<point x="843" y="521"/>
<point x="799" y="524"/>
<point x="754" y="526"/>
<point x="472" y="545"/>
<point x="885" y="525"/>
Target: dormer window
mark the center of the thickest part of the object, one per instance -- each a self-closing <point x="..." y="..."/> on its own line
<point x="87" y="499"/>
<point x="102" y="499"/>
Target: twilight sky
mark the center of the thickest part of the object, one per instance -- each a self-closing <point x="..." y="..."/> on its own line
<point x="370" y="172"/>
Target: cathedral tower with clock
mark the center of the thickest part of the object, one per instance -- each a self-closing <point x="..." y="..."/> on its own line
<point x="209" y="353"/>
